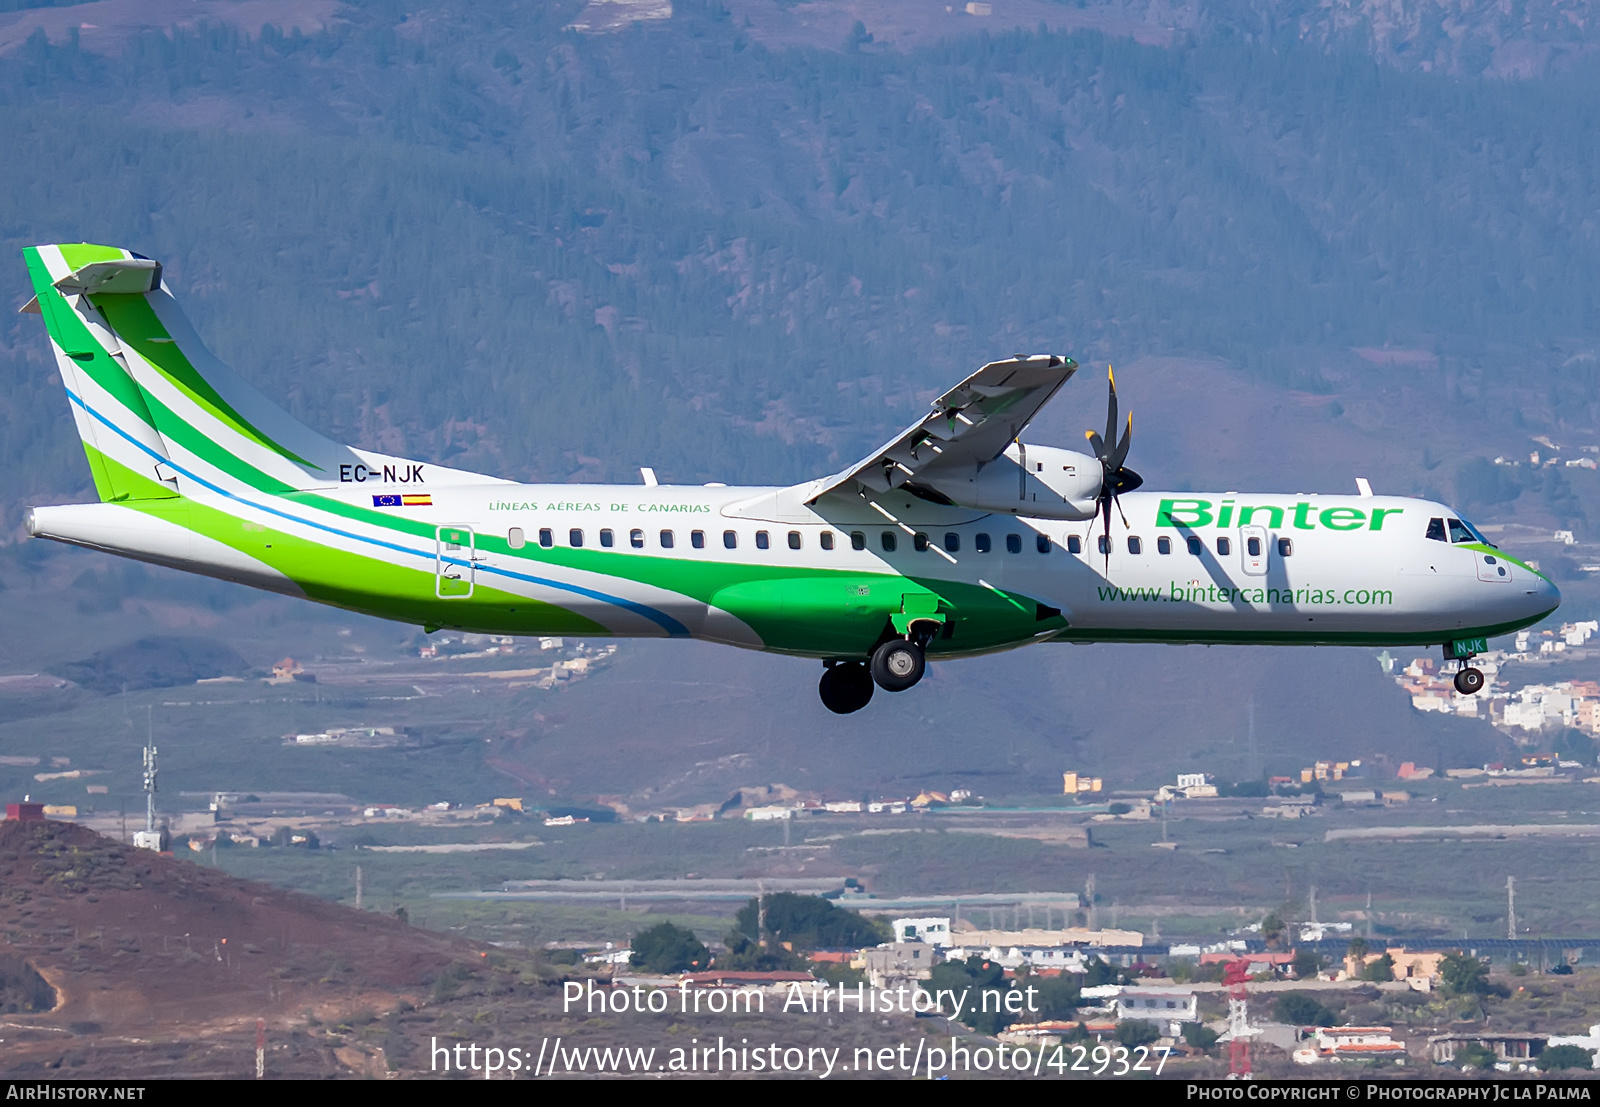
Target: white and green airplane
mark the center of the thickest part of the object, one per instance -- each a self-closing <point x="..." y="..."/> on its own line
<point x="952" y="540"/>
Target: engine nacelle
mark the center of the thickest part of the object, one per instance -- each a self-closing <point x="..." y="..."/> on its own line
<point x="1042" y="481"/>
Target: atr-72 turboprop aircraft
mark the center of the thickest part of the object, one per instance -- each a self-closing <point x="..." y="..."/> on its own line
<point x="954" y="539"/>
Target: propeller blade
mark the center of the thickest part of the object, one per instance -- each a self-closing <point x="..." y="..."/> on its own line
<point x="1120" y="454"/>
<point x="1096" y="443"/>
<point x="1111" y="407"/>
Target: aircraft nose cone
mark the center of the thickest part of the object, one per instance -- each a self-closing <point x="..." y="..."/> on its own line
<point x="1549" y="595"/>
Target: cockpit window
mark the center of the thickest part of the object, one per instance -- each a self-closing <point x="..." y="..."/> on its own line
<point x="1460" y="532"/>
<point x="1436" y="530"/>
<point x="1477" y="535"/>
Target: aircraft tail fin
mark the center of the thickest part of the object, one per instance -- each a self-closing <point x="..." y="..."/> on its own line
<point x="159" y="414"/>
<point x="126" y="452"/>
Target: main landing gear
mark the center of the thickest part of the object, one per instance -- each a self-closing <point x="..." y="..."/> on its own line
<point x="846" y="686"/>
<point x="896" y="665"/>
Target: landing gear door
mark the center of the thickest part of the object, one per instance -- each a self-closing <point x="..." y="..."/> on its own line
<point x="1253" y="549"/>
<point x="455" y="557"/>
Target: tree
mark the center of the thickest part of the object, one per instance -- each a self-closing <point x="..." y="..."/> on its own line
<point x="666" y="948"/>
<point x="1464" y="975"/>
<point x="1136" y="1032"/>
<point x="1302" y="1009"/>
<point x="1272" y="929"/>
<point x="1058" y="997"/>
<point x="1199" y="1036"/>
<point x="1560" y="1057"/>
<point x="1358" y="947"/>
<point x="983" y="983"/>
<point x="1379" y="970"/>
<point x="1306" y="963"/>
<point x="809" y="922"/>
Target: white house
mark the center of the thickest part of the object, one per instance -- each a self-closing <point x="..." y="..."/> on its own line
<point x="1168" y="1008"/>
<point x="933" y="931"/>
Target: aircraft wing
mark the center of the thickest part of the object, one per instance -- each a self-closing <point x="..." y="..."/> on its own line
<point x="968" y="427"/>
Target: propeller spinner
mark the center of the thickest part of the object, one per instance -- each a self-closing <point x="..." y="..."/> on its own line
<point x="1115" y="477"/>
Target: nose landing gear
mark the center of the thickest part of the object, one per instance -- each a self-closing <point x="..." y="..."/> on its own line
<point x="1469" y="680"/>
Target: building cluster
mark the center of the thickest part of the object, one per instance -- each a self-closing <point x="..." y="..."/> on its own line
<point x="1140" y="991"/>
<point x="570" y="660"/>
<point x="1550" y="458"/>
<point x="1527" y="712"/>
<point x="352" y="737"/>
<point x="922" y="801"/>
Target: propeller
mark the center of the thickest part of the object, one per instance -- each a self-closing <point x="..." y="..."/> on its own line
<point x="1115" y="478"/>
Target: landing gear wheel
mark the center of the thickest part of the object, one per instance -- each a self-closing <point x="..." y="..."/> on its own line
<point x="1469" y="681"/>
<point x="845" y="687"/>
<point x="898" y="664"/>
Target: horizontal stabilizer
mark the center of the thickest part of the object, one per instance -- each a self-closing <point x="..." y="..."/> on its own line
<point x="123" y="276"/>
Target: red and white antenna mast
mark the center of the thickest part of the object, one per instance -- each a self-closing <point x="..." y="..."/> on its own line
<point x="1236" y="976"/>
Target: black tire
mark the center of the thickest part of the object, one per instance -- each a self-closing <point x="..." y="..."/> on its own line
<point x="898" y="664"/>
<point x="1469" y="681"/>
<point x="845" y="687"/>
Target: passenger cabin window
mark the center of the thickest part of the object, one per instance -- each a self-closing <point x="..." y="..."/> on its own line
<point x="1074" y="544"/>
<point x="697" y="539"/>
<point x="1104" y="544"/>
<point x="515" y="538"/>
<point x="1285" y="547"/>
<point x="919" y="542"/>
<point x="666" y="540"/>
<point x="1436" y="530"/>
<point x="952" y="542"/>
<point x="1224" y="547"/>
<point x="981" y="543"/>
<point x="827" y="539"/>
<point x="858" y="541"/>
<point x="636" y="539"/>
<point x="889" y="541"/>
<point x="794" y="540"/>
<point x="1253" y="546"/>
<point x="1013" y="543"/>
<point x="1134" y="544"/>
<point x="1459" y="532"/>
<point x="1041" y="542"/>
<point x="607" y="538"/>
<point x="1195" y="548"/>
<point x="730" y="540"/>
<point x="547" y="537"/>
<point x="762" y="541"/>
<point x="1163" y="545"/>
<point x="574" y="537"/>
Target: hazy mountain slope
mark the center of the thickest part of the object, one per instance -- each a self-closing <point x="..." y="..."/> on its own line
<point x="433" y="230"/>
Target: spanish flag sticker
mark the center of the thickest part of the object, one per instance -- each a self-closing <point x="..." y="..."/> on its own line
<point x="407" y="500"/>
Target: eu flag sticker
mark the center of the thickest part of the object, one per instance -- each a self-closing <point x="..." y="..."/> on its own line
<point x="386" y="501"/>
<point x="390" y="499"/>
